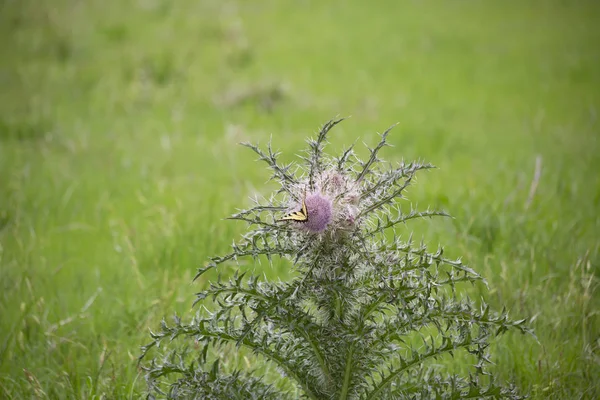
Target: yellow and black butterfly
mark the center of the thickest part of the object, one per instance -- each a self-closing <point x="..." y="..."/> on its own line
<point x="298" y="216"/>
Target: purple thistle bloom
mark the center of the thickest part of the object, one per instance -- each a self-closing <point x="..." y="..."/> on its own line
<point x="320" y="213"/>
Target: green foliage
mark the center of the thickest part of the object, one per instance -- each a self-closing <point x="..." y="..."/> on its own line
<point x="369" y="310"/>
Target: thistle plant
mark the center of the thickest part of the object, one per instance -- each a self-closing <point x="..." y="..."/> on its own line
<point x="371" y="314"/>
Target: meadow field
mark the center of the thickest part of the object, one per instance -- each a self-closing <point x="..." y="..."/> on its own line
<point x="119" y="124"/>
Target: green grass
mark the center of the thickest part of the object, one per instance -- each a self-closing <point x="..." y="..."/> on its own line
<point x="118" y="125"/>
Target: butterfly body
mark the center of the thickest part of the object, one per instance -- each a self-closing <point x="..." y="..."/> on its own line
<point x="297" y="216"/>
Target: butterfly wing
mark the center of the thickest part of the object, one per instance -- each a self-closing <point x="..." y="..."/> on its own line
<point x="304" y="210"/>
<point x="298" y="216"/>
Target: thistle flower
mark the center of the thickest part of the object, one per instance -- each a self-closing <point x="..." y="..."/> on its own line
<point x="320" y="212"/>
<point x="331" y="206"/>
<point x="346" y="327"/>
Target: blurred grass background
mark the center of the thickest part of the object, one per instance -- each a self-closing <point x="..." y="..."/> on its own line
<point x="118" y="161"/>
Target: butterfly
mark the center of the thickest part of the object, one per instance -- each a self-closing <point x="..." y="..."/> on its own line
<point x="298" y="216"/>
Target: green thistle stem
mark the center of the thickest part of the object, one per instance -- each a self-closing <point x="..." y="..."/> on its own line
<point x="347" y="373"/>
